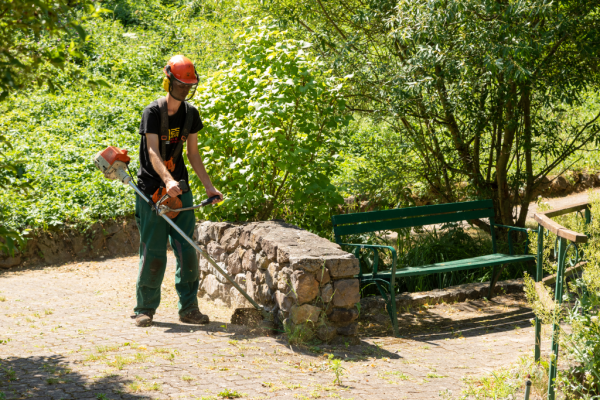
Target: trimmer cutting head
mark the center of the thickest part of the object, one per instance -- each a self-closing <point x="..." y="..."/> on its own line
<point x="113" y="163"/>
<point x="254" y="318"/>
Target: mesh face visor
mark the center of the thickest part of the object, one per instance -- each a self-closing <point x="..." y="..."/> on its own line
<point x="180" y="90"/>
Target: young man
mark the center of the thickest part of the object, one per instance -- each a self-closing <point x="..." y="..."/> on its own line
<point x="168" y="124"/>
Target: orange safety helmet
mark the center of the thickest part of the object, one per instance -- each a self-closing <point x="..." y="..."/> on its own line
<point x="181" y="78"/>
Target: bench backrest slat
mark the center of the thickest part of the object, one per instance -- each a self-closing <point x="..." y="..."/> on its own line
<point x="374" y="221"/>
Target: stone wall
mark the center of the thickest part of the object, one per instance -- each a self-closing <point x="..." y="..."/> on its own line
<point x="305" y="280"/>
<point x="111" y="238"/>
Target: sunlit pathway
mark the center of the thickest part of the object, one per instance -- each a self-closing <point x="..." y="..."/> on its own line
<point x="66" y="333"/>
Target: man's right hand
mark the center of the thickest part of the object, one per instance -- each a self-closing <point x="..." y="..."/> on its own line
<point x="173" y="189"/>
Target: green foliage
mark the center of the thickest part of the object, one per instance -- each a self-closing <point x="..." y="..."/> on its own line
<point x="230" y="394"/>
<point x="335" y="365"/>
<point x="508" y="383"/>
<point x="580" y="342"/>
<point x="494" y="94"/>
<point x="35" y="38"/>
<point x="50" y="139"/>
<point x="272" y="119"/>
<point x="56" y="138"/>
<point x="299" y="334"/>
<point x="35" y="35"/>
<point x="377" y="165"/>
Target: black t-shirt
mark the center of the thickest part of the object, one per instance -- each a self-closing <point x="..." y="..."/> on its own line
<point x="148" y="179"/>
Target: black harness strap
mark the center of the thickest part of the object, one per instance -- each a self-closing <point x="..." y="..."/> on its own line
<point x="164" y="130"/>
<point x="164" y="127"/>
<point x="186" y="131"/>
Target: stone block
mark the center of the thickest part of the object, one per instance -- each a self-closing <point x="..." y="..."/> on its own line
<point x="326" y="332"/>
<point x="245" y="234"/>
<point x="10" y="262"/>
<point x="93" y="234"/>
<point x="259" y="277"/>
<point x="80" y="246"/>
<point x="215" y="250"/>
<point x="256" y="239"/>
<point x="346" y="293"/>
<point x="304" y="313"/>
<point x="225" y="293"/>
<point x="118" y="244"/>
<point x="264" y="294"/>
<point x="306" y="287"/>
<point x="56" y="252"/>
<point x="220" y="277"/>
<point x="201" y="233"/>
<point x="250" y="285"/>
<point x="348" y="330"/>
<point x="271" y="275"/>
<point x="111" y="227"/>
<point x="262" y="261"/>
<point x="237" y="299"/>
<point x="342" y="315"/>
<point x="284" y="302"/>
<point x="269" y="247"/>
<point x="249" y="261"/>
<point x="240" y="279"/>
<point x="217" y="229"/>
<point x="308" y="264"/>
<point x="341" y="267"/>
<point x="560" y="184"/>
<point x="283" y="254"/>
<point x="322" y="276"/>
<point x="203" y="264"/>
<point x="212" y="286"/>
<point x="231" y="239"/>
<point x="284" y="279"/>
<point x="327" y="293"/>
<point x="234" y="263"/>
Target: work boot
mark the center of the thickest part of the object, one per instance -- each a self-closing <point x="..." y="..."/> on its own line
<point x="194" y="317"/>
<point x="143" y="320"/>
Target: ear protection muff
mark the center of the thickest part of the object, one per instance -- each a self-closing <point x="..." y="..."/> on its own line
<point x="166" y="83"/>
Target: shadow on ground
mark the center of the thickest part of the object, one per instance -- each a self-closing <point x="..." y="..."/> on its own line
<point x="51" y="377"/>
<point x="311" y="347"/>
<point x="424" y="324"/>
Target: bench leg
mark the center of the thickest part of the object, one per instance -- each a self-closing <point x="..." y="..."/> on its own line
<point x="494" y="280"/>
<point x="390" y="303"/>
<point x="393" y="313"/>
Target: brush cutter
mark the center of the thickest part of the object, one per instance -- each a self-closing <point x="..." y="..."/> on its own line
<point x="113" y="163"/>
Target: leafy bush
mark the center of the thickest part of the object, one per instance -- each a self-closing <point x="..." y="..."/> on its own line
<point x="56" y="138"/>
<point x="272" y="119"/>
<point x="377" y="166"/>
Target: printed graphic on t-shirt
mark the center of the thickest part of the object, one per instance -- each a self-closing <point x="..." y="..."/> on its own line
<point x="173" y="135"/>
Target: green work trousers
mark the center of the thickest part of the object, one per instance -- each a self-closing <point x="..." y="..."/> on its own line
<point x="154" y="232"/>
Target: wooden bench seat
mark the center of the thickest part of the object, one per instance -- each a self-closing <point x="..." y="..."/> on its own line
<point x="375" y="221"/>
<point x="458" y="265"/>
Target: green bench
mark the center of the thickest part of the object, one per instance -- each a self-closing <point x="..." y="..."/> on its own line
<point x="375" y="221"/>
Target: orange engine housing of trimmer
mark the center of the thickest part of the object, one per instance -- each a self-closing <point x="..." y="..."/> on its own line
<point x="113" y="161"/>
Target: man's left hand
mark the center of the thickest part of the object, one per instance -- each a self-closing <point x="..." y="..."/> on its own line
<point x="214" y="192"/>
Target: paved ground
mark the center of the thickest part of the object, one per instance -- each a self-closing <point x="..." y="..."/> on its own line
<point x="66" y="332"/>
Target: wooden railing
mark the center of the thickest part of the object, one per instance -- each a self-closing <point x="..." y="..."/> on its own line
<point x="564" y="236"/>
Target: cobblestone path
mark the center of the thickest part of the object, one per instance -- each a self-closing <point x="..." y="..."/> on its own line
<point x="66" y="333"/>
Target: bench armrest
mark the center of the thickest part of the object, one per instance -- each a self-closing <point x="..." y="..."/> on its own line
<point x="374" y="247"/>
<point x="515" y="228"/>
